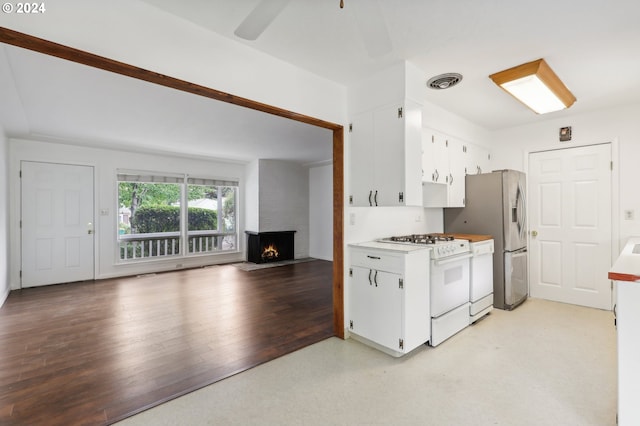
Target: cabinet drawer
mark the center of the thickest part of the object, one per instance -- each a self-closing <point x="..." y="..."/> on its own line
<point x="377" y="259"/>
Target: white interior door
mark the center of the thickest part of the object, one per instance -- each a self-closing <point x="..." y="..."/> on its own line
<point x="570" y="212"/>
<point x="57" y="223"/>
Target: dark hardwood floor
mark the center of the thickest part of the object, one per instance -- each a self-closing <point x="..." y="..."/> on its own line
<point x="96" y="352"/>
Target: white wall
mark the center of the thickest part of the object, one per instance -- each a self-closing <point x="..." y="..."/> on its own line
<point x="4" y="217"/>
<point x="284" y="201"/>
<point x="436" y="118"/>
<point x="511" y="147"/>
<point x="321" y="212"/>
<point x="251" y="196"/>
<point x="106" y="163"/>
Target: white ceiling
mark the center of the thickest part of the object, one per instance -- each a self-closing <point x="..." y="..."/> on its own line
<point x="593" y="45"/>
<point x="86" y="106"/>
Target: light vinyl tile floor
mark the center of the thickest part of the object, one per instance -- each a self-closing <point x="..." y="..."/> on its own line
<point x="545" y="363"/>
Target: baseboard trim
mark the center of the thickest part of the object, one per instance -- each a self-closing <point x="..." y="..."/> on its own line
<point x="4" y="296"/>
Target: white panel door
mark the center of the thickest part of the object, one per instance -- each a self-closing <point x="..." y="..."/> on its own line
<point x="570" y="212"/>
<point x="57" y="223"/>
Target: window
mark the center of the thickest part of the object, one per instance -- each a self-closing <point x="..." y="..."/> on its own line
<point x="152" y="222"/>
<point x="211" y="220"/>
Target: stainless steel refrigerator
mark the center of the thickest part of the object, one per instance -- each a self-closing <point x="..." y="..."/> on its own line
<point x="495" y="204"/>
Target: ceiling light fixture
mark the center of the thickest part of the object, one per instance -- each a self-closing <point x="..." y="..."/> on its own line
<point x="535" y="85"/>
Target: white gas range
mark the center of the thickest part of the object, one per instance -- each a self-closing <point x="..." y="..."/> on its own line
<point x="449" y="281"/>
<point x="443" y="245"/>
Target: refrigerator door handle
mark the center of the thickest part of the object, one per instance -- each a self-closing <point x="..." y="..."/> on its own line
<point x="518" y="252"/>
<point x="521" y="212"/>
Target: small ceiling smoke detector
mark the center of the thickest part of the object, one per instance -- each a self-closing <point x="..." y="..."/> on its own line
<point x="444" y="81"/>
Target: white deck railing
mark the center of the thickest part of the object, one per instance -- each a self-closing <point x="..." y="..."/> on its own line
<point x="161" y="244"/>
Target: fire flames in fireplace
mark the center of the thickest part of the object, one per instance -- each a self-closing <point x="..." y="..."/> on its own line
<point x="270" y="252"/>
<point x="270" y="246"/>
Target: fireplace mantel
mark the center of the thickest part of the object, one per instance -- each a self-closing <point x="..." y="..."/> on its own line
<point x="269" y="232"/>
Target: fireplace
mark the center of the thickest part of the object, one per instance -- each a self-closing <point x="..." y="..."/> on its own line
<point x="264" y="247"/>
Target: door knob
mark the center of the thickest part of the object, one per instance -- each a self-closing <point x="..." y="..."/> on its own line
<point x="534" y="233"/>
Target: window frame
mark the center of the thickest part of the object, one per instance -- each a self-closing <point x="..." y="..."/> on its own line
<point x="219" y="232"/>
<point x="183" y="236"/>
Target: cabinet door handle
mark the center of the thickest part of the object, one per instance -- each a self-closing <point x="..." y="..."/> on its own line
<point x="373" y="257"/>
<point x="369" y="276"/>
<point x="375" y="278"/>
<point x="437" y="175"/>
<point x="450" y="179"/>
<point x="370" y="192"/>
<point x="375" y="198"/>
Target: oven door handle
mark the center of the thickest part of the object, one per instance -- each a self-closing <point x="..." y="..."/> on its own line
<point x="438" y="262"/>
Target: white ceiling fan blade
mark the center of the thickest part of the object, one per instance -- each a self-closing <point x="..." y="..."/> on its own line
<point x="372" y="27"/>
<point x="260" y="18"/>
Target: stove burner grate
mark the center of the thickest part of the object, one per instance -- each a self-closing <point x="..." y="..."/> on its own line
<point x="422" y="238"/>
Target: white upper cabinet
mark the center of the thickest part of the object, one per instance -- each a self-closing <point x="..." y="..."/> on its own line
<point x="478" y="160"/>
<point x="385" y="156"/>
<point x="445" y="163"/>
<point x="362" y="159"/>
<point x="457" y="167"/>
<point x="435" y="157"/>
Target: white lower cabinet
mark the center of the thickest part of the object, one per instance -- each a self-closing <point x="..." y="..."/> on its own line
<point x="628" y="326"/>
<point x="388" y="291"/>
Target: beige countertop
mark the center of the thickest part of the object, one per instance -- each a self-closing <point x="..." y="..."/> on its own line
<point x="472" y="238"/>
